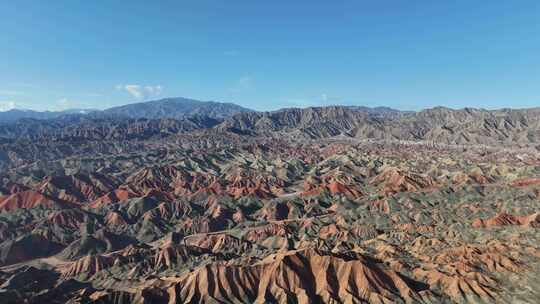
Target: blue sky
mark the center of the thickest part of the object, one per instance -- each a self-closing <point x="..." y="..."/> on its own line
<point x="270" y="54"/>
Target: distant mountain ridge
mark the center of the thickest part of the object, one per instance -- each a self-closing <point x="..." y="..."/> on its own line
<point x="439" y="124"/>
<point x="177" y="108"/>
<point x="180" y="115"/>
<point x="16" y="114"/>
<point x="173" y="107"/>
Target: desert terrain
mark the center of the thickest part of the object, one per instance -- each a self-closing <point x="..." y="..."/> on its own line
<point x="317" y="205"/>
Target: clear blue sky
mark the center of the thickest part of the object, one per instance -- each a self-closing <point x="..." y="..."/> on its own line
<point x="270" y="54"/>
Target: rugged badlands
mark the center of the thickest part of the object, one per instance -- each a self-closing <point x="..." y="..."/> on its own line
<point x="324" y="205"/>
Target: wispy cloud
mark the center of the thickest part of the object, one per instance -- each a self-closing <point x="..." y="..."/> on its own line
<point x="64" y="104"/>
<point x="7" y="105"/>
<point x="141" y="92"/>
<point x="326" y="99"/>
<point x="244" y="83"/>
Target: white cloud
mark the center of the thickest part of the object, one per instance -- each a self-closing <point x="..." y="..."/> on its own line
<point x="153" y="90"/>
<point x="141" y="92"/>
<point x="64" y="104"/>
<point x="7" y="105"/>
<point x="134" y="90"/>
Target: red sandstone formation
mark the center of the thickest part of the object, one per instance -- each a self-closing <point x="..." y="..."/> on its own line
<point x="504" y="219"/>
<point x="25" y="199"/>
<point x="526" y="182"/>
<point x="393" y="180"/>
<point x="297" y="276"/>
<point x="112" y="197"/>
<point x="88" y="265"/>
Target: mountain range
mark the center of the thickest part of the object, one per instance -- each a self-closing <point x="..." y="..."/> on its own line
<point x="177" y="108"/>
<point x="180" y="201"/>
<point x="440" y="124"/>
<point x="174" y="107"/>
<point x="172" y="115"/>
<point x="16" y="114"/>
